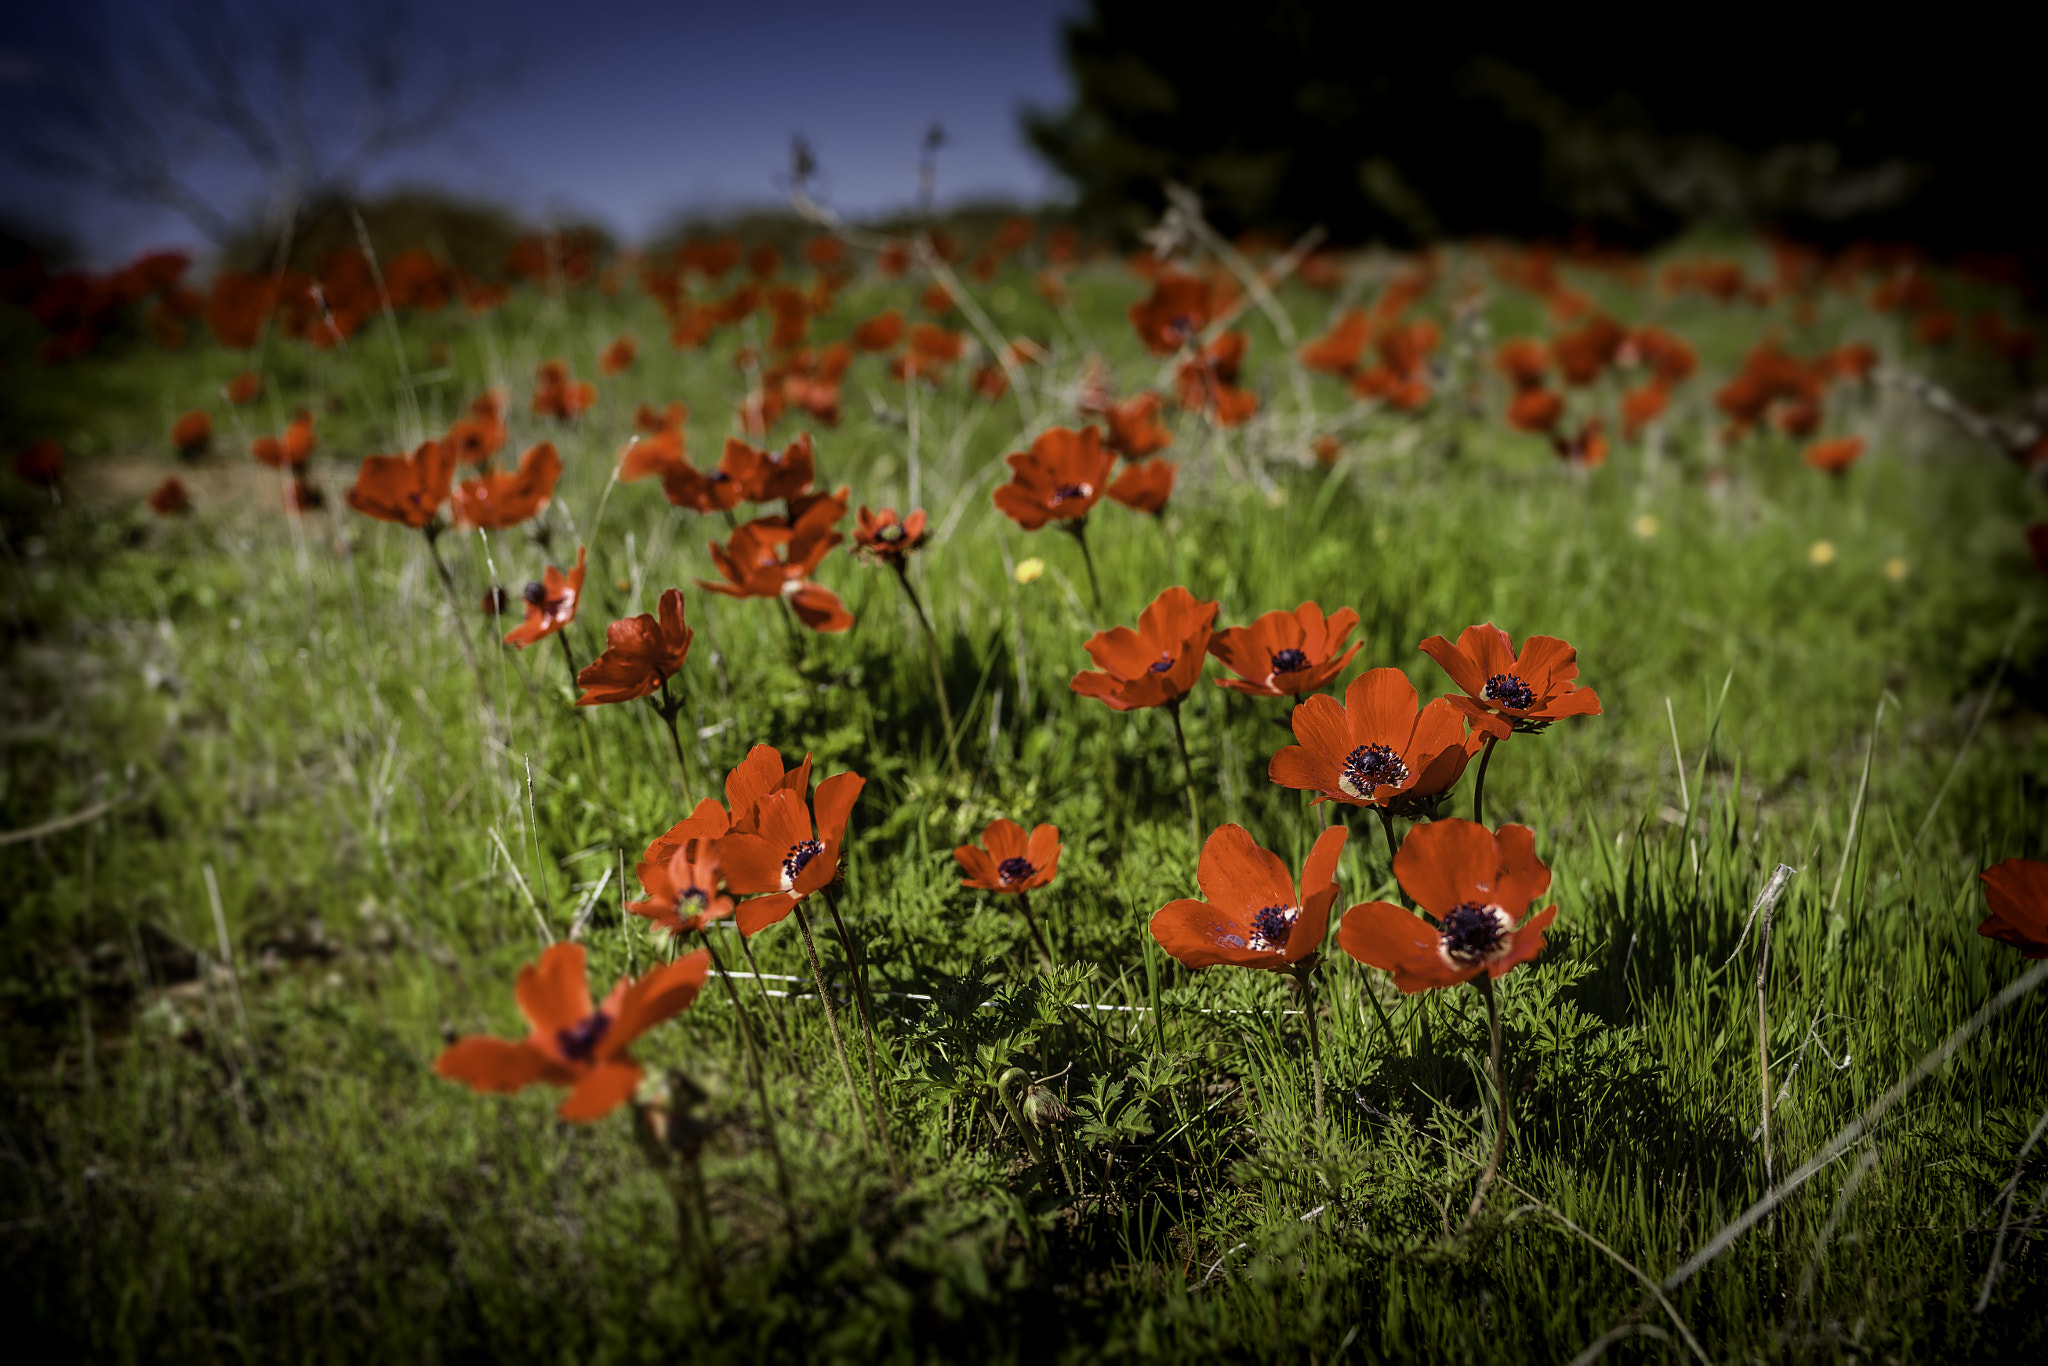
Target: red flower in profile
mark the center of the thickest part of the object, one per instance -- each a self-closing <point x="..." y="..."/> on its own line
<point x="2017" y="893"/>
<point x="170" y="497"/>
<point x="301" y="497"/>
<point x="1254" y="916"/>
<point x="640" y="654"/>
<point x="1530" y="690"/>
<point x="1285" y="654"/>
<point x="550" y="603"/>
<point x="1535" y="410"/>
<point x="1145" y="486"/>
<point x="1178" y="308"/>
<point x="1062" y="476"/>
<point x="770" y="557"/>
<point x="292" y="450"/>
<point x="782" y="855"/>
<point x="1640" y="407"/>
<point x="1134" y="428"/>
<point x="42" y="464"/>
<point x="618" y="358"/>
<point x="652" y="457"/>
<point x="1157" y="664"/>
<point x="1326" y="449"/>
<point x="557" y="394"/>
<point x="482" y="434"/>
<point x="1337" y="351"/>
<point x="408" y="490"/>
<point x="1377" y="749"/>
<point x="1207" y="382"/>
<point x="499" y="498"/>
<point x="669" y="419"/>
<point x="1588" y="449"/>
<point x="763" y="476"/>
<point x="573" y="1043"/>
<point x="1523" y="360"/>
<point x="880" y="332"/>
<point x="1005" y="861"/>
<point x="1475" y="883"/>
<point x="244" y="388"/>
<point x="192" y="433"/>
<point x="686" y="891"/>
<point x="1836" y="454"/>
<point x="886" y="538"/>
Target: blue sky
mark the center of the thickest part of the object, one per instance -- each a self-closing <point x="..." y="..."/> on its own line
<point x="628" y="111"/>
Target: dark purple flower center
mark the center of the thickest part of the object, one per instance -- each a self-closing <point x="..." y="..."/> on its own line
<point x="1510" y="691"/>
<point x="579" y="1041"/>
<point x="1473" y="933"/>
<point x="1067" y="491"/>
<point x="696" y="896"/>
<point x="536" y="593"/>
<point x="1373" y="766"/>
<point x="798" y="857"/>
<point x="1164" y="663"/>
<point x="1289" y="661"/>
<point x="1271" y="926"/>
<point x="1015" y="869"/>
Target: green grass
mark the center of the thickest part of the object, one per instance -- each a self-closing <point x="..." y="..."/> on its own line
<point x="259" y="1164"/>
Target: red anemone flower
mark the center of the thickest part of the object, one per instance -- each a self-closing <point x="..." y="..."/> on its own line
<point x="782" y="855"/>
<point x="557" y="394"/>
<point x="770" y="557"/>
<point x="1530" y="690"/>
<point x="170" y="497"/>
<point x="1587" y="449"/>
<point x="573" y="1043"/>
<point x="618" y="358"/>
<point x="686" y="891"/>
<point x="550" y="603"/>
<point x="498" y="498"/>
<point x="652" y="457"/>
<point x="1134" y="428"/>
<point x="886" y="538"/>
<point x="1523" y="360"/>
<point x="1377" y="749"/>
<point x="1640" y="407"/>
<point x="1061" y="477"/>
<point x="1535" y="410"/>
<point x="192" y="433"/>
<point x="408" y="490"/>
<point x="244" y="388"/>
<point x="880" y="332"/>
<point x="1005" y="861"/>
<point x="640" y="654"/>
<point x="1254" y="916"/>
<point x="2017" y="892"/>
<point x="482" y="434"/>
<point x="1157" y="664"/>
<point x="759" y="775"/>
<point x="1337" y="351"/>
<point x="1178" y="307"/>
<point x="1207" y="382"/>
<point x="1285" y="654"/>
<point x="1475" y="884"/>
<point x="1836" y="454"/>
<point x="1145" y="486"/>
<point x="763" y="476"/>
<point x="292" y="450"/>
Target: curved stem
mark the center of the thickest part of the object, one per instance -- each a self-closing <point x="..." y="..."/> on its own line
<point x="1479" y="783"/>
<point x="931" y="642"/>
<point x="1024" y="905"/>
<point x="754" y="1070"/>
<point x="668" y="707"/>
<point x="1079" y="531"/>
<point x="568" y="657"/>
<point x="803" y="924"/>
<point x="1500" y="1099"/>
<point x="1305" y="975"/>
<point x="1187" y="769"/>
<point x="433" y="536"/>
<point x="1387" y="828"/>
<point x="864" y="1008"/>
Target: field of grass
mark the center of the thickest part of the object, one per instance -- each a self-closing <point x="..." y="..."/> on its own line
<point x="318" y="857"/>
